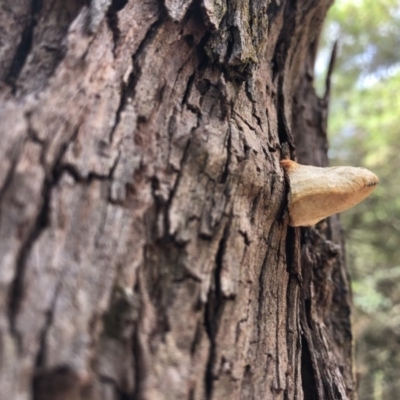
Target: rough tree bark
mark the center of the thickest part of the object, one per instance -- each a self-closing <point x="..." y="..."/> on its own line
<point x="144" y="239"/>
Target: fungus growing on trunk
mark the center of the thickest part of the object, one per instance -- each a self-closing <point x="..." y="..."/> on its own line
<point x="316" y="193"/>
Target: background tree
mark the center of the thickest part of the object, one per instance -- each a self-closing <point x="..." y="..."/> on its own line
<point x="364" y="126"/>
<point x="144" y="240"/>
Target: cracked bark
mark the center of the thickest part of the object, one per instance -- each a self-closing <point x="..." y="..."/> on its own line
<point x="145" y="251"/>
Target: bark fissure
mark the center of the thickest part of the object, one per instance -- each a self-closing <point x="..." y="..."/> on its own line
<point x="17" y="290"/>
<point x="214" y="308"/>
<point x="307" y="371"/>
<point x="11" y="171"/>
<point x="261" y="286"/>
<point x="25" y="44"/>
<point x="127" y="91"/>
<point x="112" y="20"/>
<point x="41" y="354"/>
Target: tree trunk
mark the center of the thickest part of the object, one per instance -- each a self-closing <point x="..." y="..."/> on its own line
<point x="144" y="239"/>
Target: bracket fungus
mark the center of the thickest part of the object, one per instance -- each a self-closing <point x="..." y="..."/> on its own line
<point x="316" y="193"/>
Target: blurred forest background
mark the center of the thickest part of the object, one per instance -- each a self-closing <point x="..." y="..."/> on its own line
<point x="364" y="130"/>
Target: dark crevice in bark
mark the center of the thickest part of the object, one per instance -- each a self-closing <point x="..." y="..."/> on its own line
<point x="118" y="324"/>
<point x="194" y="13"/>
<point x="58" y="168"/>
<point x="244" y="120"/>
<point x="41" y="355"/>
<point x="32" y="134"/>
<point x="189" y="86"/>
<point x="261" y="294"/>
<point x="150" y="35"/>
<point x="236" y="70"/>
<point x="204" y="61"/>
<point x="203" y="86"/>
<point x="97" y="11"/>
<point x="121" y="314"/>
<point x="74" y="172"/>
<point x="254" y="206"/>
<point x="272" y="11"/>
<point x="283" y="205"/>
<point x="307" y="310"/>
<point x="112" y="22"/>
<point x="93" y="176"/>
<point x="278" y="389"/>
<point x="159" y="204"/>
<point x="40" y="361"/>
<point x="112" y="19"/>
<point x="137" y="361"/>
<point x="168" y="234"/>
<point x="124" y="396"/>
<point x="307" y="373"/>
<point x="285" y="38"/>
<point x="42" y="221"/>
<point x="197" y="338"/>
<point x="233" y="31"/>
<point x="257" y="117"/>
<point x="117" y="5"/>
<point x="24" y="45"/>
<point x="213" y="312"/>
<point x="209" y="376"/>
<point x="294" y="287"/>
<point x="128" y="90"/>
<point x="225" y="172"/>
<point x="71" y="171"/>
<point x="16" y="290"/>
<point x="121" y="395"/>
<point x="290" y="249"/>
<point x="245" y="237"/>
<point x="225" y="107"/>
<point x="189" y="39"/>
<point x="59" y="383"/>
<point x="331" y="67"/>
<point x="125" y="89"/>
<point x="10" y="172"/>
<point x="292" y="238"/>
<point x="279" y="62"/>
<point x="283" y="126"/>
<point x="247" y="150"/>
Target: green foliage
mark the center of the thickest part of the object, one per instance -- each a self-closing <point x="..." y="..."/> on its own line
<point x="364" y="128"/>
